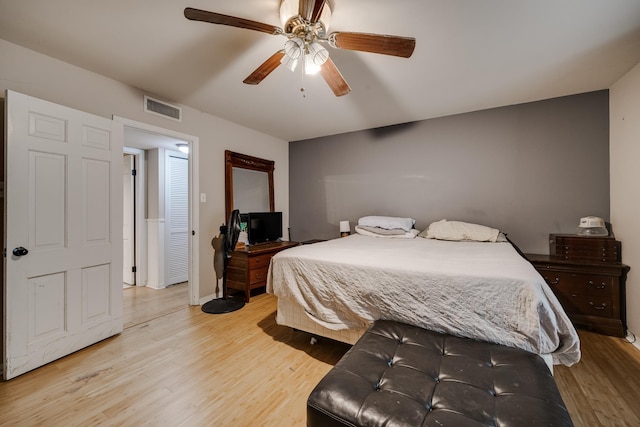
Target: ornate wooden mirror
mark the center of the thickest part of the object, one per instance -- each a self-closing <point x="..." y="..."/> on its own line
<point x="248" y="183"/>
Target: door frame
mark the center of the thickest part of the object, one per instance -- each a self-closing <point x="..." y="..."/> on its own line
<point x="140" y="234"/>
<point x="194" y="217"/>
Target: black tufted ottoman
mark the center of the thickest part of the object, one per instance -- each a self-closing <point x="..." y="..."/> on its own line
<point x="400" y="375"/>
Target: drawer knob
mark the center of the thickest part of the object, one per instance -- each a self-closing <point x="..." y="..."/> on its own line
<point x="554" y="281"/>
<point x="601" y="307"/>
<point x="602" y="285"/>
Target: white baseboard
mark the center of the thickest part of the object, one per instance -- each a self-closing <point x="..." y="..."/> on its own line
<point x="205" y="299"/>
<point x="633" y="339"/>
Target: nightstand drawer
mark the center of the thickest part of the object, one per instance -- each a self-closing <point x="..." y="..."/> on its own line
<point x="584" y="284"/>
<point x="591" y="292"/>
<point x="576" y="303"/>
<point x="261" y="261"/>
<point x="258" y="275"/>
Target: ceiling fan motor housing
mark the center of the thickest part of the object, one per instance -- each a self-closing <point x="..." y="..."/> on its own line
<point x="293" y="23"/>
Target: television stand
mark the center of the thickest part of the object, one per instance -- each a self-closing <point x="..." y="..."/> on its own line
<point x="248" y="266"/>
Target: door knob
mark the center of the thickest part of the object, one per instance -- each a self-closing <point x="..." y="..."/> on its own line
<point x="20" y="251"/>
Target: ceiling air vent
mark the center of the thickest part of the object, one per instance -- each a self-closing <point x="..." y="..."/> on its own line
<point x="163" y="109"/>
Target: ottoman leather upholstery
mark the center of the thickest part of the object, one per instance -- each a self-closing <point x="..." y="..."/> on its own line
<point x="401" y="375"/>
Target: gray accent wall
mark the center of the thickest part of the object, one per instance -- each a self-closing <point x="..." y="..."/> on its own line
<point x="529" y="170"/>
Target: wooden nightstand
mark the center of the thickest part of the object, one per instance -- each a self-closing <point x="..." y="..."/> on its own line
<point x="592" y="292"/>
<point x="248" y="267"/>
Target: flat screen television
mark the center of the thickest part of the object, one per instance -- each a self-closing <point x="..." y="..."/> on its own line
<point x="264" y="227"/>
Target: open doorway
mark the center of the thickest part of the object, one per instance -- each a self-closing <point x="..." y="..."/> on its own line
<point x="155" y="155"/>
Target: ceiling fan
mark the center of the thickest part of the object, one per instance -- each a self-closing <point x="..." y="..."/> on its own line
<point x="305" y="27"/>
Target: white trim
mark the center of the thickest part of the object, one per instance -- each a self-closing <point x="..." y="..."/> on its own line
<point x="194" y="208"/>
<point x="155" y="253"/>
<point x="141" y="228"/>
<point x="194" y="213"/>
<point x="206" y="299"/>
<point x="633" y="339"/>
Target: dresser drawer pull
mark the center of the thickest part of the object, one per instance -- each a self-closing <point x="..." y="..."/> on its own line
<point x="602" y="306"/>
<point x="600" y="286"/>
<point x="554" y="281"/>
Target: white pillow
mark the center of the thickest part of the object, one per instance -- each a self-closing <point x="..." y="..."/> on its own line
<point x="388" y="222"/>
<point x="411" y="234"/>
<point x="383" y="231"/>
<point x="457" y="230"/>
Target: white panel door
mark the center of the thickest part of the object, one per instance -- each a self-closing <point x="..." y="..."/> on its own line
<point x="177" y="220"/>
<point x="128" y="218"/>
<point x="63" y="222"/>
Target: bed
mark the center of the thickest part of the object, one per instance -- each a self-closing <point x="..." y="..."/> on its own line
<point x="479" y="290"/>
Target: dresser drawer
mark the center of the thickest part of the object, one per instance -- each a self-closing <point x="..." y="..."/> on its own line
<point x="261" y="261"/>
<point x="591" y="292"/>
<point x="580" y="248"/>
<point x="586" y="294"/>
<point x="584" y="284"/>
<point x="258" y="276"/>
<point x="576" y="303"/>
<point x="594" y="256"/>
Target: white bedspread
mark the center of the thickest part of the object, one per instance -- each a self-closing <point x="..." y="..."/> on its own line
<point x="485" y="291"/>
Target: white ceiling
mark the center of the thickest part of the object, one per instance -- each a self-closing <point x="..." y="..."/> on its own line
<point x="143" y="140"/>
<point x="470" y="55"/>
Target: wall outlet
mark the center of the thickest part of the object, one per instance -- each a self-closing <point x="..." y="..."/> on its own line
<point x="203" y="197"/>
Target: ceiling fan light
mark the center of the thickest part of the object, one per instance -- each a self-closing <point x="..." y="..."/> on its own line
<point x="318" y="53"/>
<point x="289" y="63"/>
<point x="293" y="48"/>
<point x="310" y="67"/>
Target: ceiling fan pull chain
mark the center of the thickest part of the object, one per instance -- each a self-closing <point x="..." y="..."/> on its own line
<point x="304" y="95"/>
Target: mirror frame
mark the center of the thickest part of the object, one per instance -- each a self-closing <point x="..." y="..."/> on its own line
<point x="237" y="160"/>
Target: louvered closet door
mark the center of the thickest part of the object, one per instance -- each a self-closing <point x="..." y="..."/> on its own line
<point x="177" y="220"/>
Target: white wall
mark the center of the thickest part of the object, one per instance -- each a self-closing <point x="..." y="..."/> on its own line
<point x="625" y="182"/>
<point x="34" y="74"/>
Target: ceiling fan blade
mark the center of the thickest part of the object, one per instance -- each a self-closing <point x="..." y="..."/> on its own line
<point x="375" y="43"/>
<point x="311" y="9"/>
<point x="334" y="79"/>
<point x="265" y="69"/>
<point x="232" y="21"/>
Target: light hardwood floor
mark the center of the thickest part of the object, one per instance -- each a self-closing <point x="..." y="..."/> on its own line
<point x="190" y="368"/>
<point x="141" y="304"/>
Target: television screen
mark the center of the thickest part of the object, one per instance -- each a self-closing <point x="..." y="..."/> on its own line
<point x="264" y="226"/>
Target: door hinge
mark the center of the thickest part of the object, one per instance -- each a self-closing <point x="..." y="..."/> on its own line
<point x="133" y="269"/>
<point x="134" y="172"/>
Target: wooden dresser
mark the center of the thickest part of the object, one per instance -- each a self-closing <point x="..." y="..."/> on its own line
<point x="589" y="281"/>
<point x="248" y="267"/>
